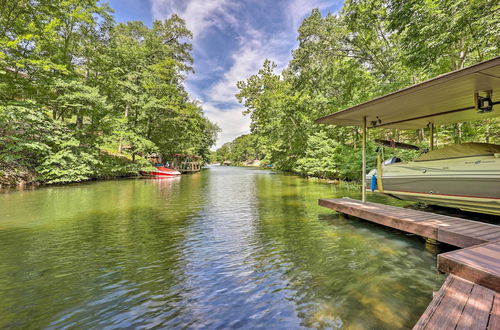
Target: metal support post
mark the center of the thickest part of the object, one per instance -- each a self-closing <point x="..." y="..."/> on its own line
<point x="363" y="156"/>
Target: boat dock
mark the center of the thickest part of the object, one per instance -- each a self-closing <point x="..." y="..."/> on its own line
<point x="470" y="296"/>
<point x="478" y="264"/>
<point x="454" y="231"/>
<point x="461" y="304"/>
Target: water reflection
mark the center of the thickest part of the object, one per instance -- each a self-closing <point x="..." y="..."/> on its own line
<point x="227" y="247"/>
<point x="347" y="273"/>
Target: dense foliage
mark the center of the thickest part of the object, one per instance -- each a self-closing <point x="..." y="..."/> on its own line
<point x="368" y="49"/>
<point x="83" y="97"/>
<point x="243" y="148"/>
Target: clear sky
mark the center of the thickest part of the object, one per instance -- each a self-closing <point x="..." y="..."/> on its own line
<point x="232" y="38"/>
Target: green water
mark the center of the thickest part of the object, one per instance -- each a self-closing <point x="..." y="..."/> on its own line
<point x="224" y="248"/>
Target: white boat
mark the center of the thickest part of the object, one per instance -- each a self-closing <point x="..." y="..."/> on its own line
<point x="464" y="176"/>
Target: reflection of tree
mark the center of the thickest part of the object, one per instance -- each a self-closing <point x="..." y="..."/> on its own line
<point x="345" y="272"/>
<point x="100" y="253"/>
<point x="235" y="245"/>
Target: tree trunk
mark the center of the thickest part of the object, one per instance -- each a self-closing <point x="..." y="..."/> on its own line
<point x="420" y="135"/>
<point x="458" y="133"/>
<point x="120" y="146"/>
<point x="435" y="137"/>
<point x="79" y="120"/>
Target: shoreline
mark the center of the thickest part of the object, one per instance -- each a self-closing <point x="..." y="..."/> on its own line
<point x="328" y="179"/>
<point x="39" y="184"/>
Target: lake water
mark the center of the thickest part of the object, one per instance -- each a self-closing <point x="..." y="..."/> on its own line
<point x="225" y="248"/>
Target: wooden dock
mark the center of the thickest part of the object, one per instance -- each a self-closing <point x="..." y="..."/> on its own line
<point x="470" y="296"/>
<point x="454" y="231"/>
<point x="479" y="264"/>
<point x="461" y="304"/>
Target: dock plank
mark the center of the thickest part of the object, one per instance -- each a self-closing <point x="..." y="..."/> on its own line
<point x="460" y="304"/>
<point x="479" y="231"/>
<point x="381" y="214"/>
<point x="479" y="264"/>
<point x="494" y="322"/>
<point x="433" y="306"/>
<point x="459" y="239"/>
<point x="469" y="298"/>
<point x="476" y="313"/>
<point x="492" y="236"/>
<point x="451" y="306"/>
<point x="446" y="229"/>
<point x="467" y="225"/>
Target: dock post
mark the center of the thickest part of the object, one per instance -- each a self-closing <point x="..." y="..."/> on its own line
<point x="363" y="156"/>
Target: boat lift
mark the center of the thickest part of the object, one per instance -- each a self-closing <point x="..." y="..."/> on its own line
<point x="466" y="298"/>
<point x="463" y="95"/>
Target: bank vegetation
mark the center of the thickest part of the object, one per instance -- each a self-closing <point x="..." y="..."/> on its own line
<point x="368" y="49"/>
<point x="83" y="97"/>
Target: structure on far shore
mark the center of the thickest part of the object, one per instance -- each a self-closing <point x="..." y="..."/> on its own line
<point x="186" y="163"/>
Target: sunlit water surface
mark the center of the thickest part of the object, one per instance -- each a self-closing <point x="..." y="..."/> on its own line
<point x="224" y="248"/>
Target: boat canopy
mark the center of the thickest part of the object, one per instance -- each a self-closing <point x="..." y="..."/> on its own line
<point x="394" y="144"/>
<point x="462" y="95"/>
<point x="461" y="150"/>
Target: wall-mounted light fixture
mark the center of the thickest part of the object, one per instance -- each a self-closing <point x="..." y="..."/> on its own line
<point x="483" y="104"/>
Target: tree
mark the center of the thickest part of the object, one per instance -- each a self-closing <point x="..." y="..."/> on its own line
<point x="368" y="49"/>
<point x="441" y="36"/>
<point x="98" y="86"/>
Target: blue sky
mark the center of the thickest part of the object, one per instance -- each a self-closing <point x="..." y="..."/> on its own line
<point x="232" y="38"/>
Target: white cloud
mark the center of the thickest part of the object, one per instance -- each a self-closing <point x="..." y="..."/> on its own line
<point x="297" y="10"/>
<point x="255" y="45"/>
<point x="200" y="15"/>
<point x="254" y="48"/>
<point x="231" y="122"/>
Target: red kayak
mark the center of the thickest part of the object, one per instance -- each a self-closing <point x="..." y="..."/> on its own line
<point x="162" y="171"/>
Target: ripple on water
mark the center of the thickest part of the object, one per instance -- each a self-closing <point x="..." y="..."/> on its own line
<point x="225" y="248"/>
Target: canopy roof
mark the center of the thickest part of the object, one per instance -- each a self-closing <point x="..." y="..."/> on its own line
<point x="461" y="150"/>
<point x="394" y="144"/>
<point x="445" y="99"/>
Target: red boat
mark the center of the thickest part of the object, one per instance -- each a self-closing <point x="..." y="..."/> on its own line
<point x="161" y="171"/>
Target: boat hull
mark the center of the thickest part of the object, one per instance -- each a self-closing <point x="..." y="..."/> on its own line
<point x="470" y="183"/>
<point x="159" y="175"/>
<point x="161" y="172"/>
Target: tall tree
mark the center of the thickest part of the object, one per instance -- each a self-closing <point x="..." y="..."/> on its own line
<point x="369" y="48"/>
<point x="444" y="35"/>
<point x="65" y="65"/>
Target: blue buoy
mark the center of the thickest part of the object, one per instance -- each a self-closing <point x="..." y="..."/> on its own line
<point x="374" y="182"/>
